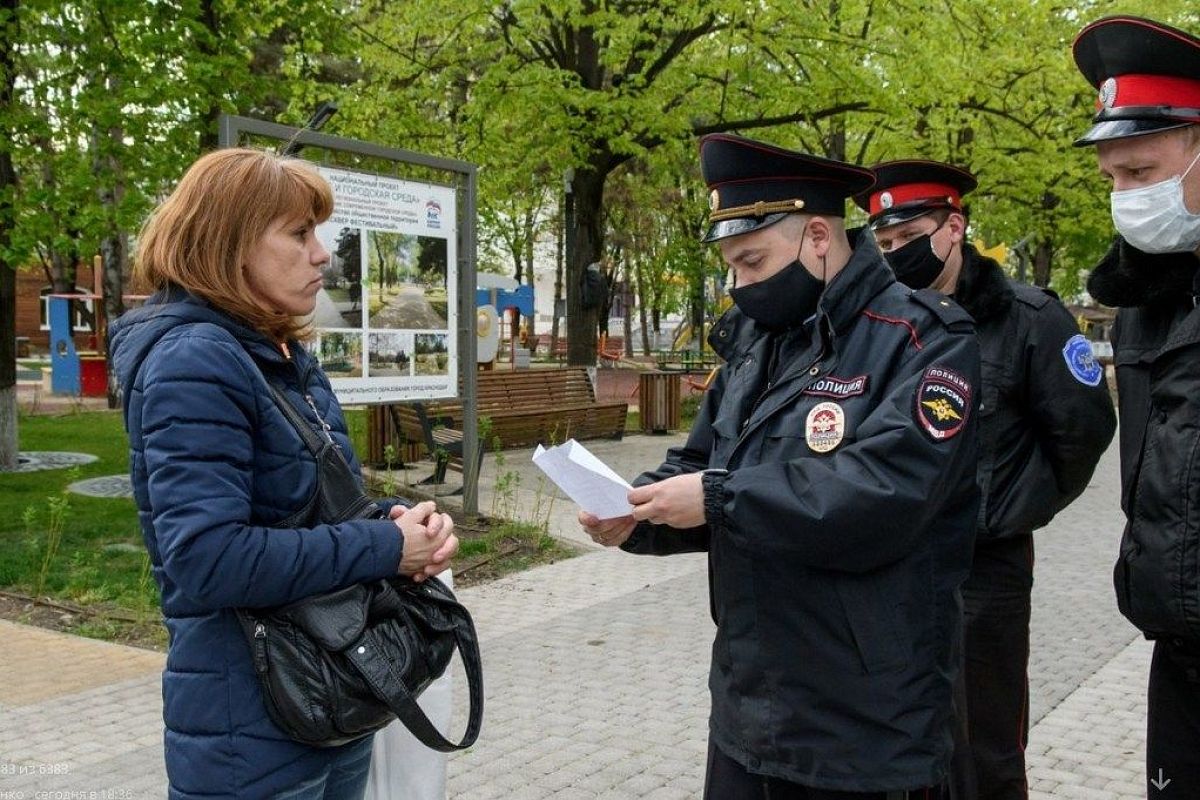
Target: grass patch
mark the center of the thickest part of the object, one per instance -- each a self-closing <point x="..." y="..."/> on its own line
<point x="489" y="549"/>
<point x="86" y="550"/>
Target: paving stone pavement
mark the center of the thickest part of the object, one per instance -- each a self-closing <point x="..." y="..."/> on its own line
<point x="596" y="671"/>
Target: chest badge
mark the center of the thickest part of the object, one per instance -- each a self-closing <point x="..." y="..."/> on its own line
<point x="825" y="427"/>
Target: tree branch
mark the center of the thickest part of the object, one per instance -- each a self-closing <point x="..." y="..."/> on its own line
<point x="971" y="105"/>
<point x="677" y="46"/>
<point x="767" y="122"/>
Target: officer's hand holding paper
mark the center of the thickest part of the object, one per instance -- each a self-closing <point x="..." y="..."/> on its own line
<point x="586" y="479"/>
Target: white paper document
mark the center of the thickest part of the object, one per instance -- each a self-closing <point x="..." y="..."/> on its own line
<point x="586" y="479"/>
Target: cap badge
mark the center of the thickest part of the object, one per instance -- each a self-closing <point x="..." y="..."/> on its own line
<point x="886" y="200"/>
<point x="1108" y="93"/>
<point x="714" y="200"/>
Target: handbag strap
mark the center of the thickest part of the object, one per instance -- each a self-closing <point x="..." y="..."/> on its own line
<point x="311" y="440"/>
<point x="390" y="689"/>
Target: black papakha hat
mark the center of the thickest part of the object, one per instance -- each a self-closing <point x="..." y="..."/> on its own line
<point x="1147" y="74"/>
<point x="754" y="184"/>
<point x="909" y="188"/>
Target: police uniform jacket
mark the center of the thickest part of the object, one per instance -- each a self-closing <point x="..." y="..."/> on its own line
<point x="1045" y="414"/>
<point x="1156" y="349"/>
<point x="836" y="549"/>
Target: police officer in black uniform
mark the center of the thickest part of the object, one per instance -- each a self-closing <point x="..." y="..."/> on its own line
<point x="1147" y="139"/>
<point x="1045" y="418"/>
<point x="829" y="475"/>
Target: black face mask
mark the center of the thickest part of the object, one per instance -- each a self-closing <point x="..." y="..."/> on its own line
<point x="916" y="264"/>
<point x="783" y="300"/>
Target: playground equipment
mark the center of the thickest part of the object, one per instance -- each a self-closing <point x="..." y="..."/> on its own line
<point x="487" y="332"/>
<point x="72" y="371"/>
<point x="504" y="295"/>
<point x="80" y="372"/>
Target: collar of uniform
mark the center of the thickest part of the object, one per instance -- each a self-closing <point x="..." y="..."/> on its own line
<point x="865" y="275"/>
<point x="732" y="334"/>
<point x="1127" y="277"/>
<point x="982" y="288"/>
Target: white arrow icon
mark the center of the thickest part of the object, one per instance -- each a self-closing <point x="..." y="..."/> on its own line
<point x="1160" y="784"/>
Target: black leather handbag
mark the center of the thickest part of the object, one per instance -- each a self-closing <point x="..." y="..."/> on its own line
<point x="338" y="666"/>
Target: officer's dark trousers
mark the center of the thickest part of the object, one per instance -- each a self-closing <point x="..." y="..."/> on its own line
<point x="726" y="779"/>
<point x="1173" y="722"/>
<point x="990" y="737"/>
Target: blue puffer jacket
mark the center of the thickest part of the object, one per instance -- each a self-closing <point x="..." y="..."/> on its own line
<point x="214" y="463"/>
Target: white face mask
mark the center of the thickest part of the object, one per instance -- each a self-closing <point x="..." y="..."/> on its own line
<point x="1154" y="218"/>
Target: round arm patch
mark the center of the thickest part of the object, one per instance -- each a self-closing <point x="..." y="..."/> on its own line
<point x="1084" y="367"/>
<point x="943" y="403"/>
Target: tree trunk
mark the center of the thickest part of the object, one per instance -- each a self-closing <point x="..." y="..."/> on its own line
<point x="696" y="311"/>
<point x="8" y="274"/>
<point x="640" y="273"/>
<point x="558" y="279"/>
<point x="9" y="444"/>
<point x="114" y="246"/>
<point x="604" y="313"/>
<point x="209" y="49"/>
<point x="627" y="302"/>
<point x="1042" y="260"/>
<point x="60" y="265"/>
<point x="114" y="250"/>
<point x="530" y="231"/>
<point x="585" y="245"/>
<point x="835" y="140"/>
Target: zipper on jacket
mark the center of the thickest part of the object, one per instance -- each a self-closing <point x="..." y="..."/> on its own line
<point x="325" y="426"/>
<point x="303" y="375"/>
<point x="260" y="648"/>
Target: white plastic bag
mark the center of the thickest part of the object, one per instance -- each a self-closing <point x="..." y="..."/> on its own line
<point x="401" y="767"/>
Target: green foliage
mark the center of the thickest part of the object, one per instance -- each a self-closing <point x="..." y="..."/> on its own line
<point x="617" y="90"/>
<point x="80" y="549"/>
<point x="115" y="99"/>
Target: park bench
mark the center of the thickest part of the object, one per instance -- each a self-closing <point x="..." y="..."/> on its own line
<point x="523" y="408"/>
<point x="686" y="360"/>
<point x="540" y="344"/>
<point x="610" y="350"/>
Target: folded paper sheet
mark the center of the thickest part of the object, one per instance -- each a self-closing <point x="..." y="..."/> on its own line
<point x="586" y="479"/>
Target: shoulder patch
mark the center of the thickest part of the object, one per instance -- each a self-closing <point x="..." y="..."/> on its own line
<point x="943" y="403"/>
<point x="1081" y="362"/>
<point x="945" y="309"/>
<point x="1034" y="296"/>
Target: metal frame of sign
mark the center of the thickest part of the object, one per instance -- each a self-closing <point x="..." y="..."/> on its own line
<point x="232" y="130"/>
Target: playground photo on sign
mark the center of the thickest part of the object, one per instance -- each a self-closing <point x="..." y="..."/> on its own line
<point x="386" y="316"/>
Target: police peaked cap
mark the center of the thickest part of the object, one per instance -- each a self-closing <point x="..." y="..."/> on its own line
<point x="754" y="184"/>
<point x="911" y="188"/>
<point x="1147" y="75"/>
